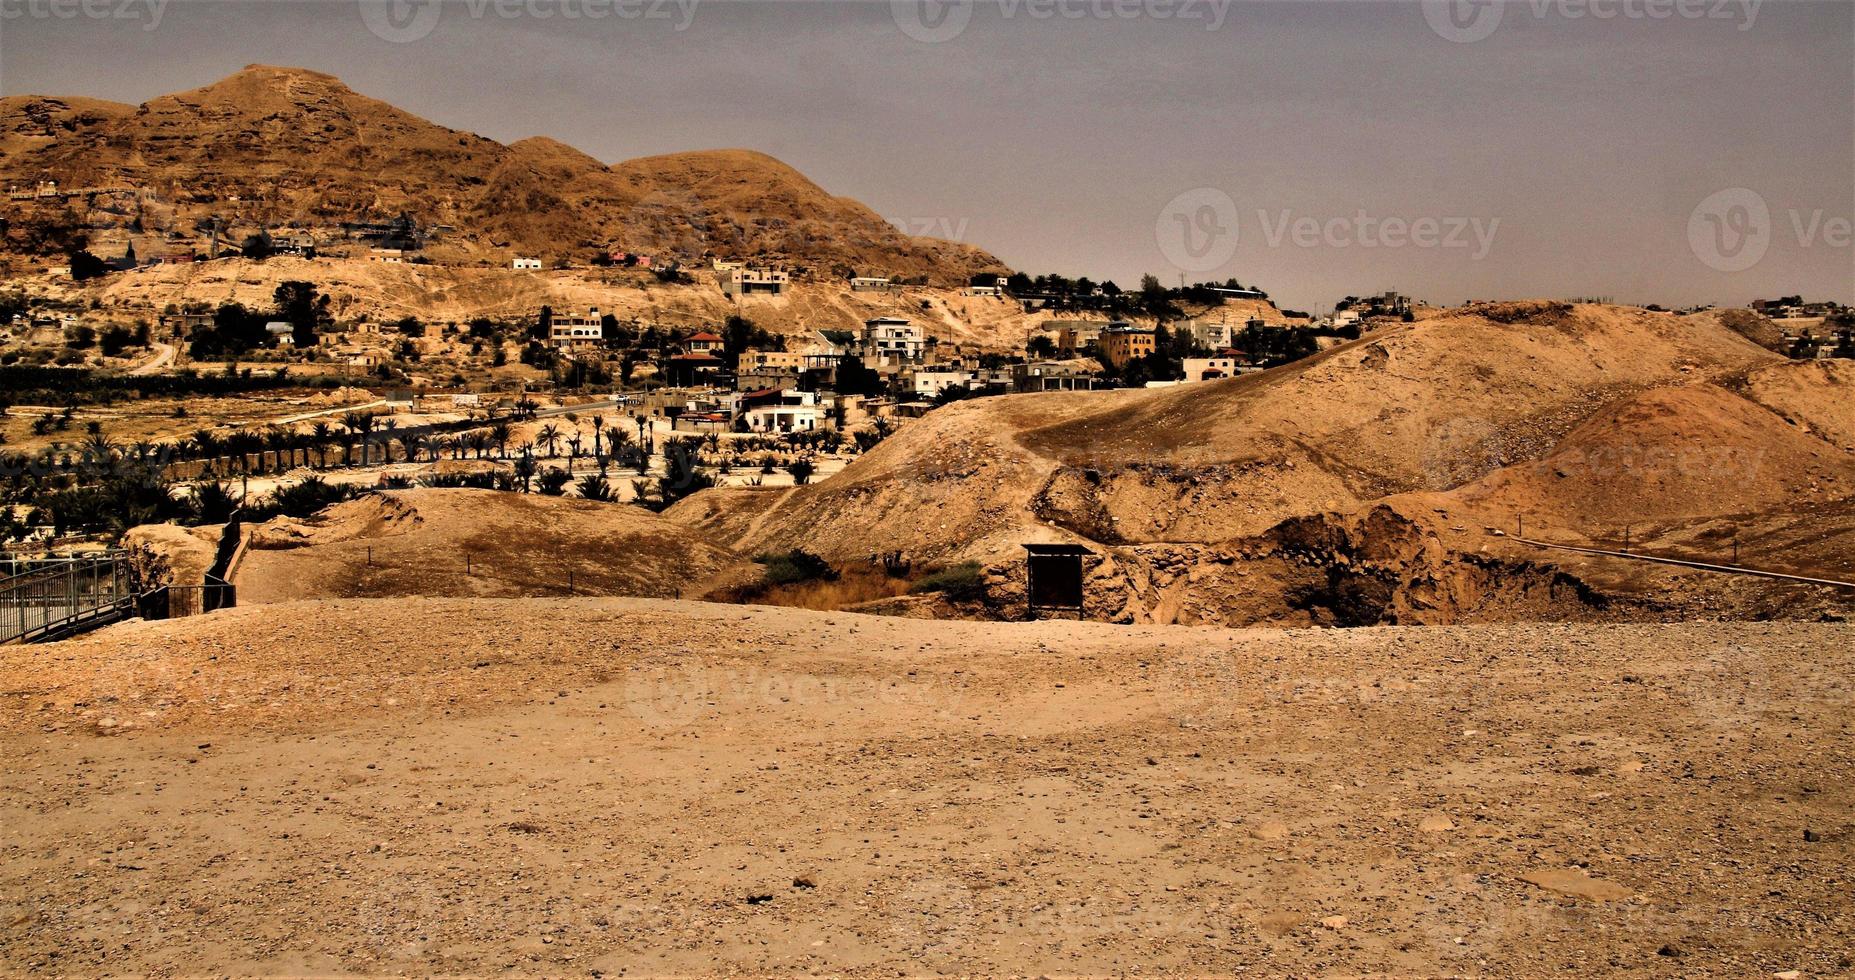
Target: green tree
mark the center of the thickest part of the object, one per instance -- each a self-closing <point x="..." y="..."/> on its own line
<point x="306" y="310"/>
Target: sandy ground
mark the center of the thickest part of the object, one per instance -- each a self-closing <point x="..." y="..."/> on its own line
<point x="603" y="787"/>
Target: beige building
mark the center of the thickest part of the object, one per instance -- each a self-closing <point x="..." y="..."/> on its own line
<point x="745" y="282"/>
<point x="1122" y="342"/>
<point x="772" y="360"/>
<point x="566" y="330"/>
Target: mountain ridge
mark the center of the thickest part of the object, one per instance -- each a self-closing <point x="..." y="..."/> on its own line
<point x="276" y="147"/>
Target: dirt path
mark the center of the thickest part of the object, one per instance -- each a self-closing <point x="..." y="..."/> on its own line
<point x="164" y="356"/>
<point x="625" y="786"/>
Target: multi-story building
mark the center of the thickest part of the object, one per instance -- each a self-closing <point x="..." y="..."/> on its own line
<point x="744" y="282"/>
<point x="1122" y="342"/>
<point x="889" y="338"/>
<point x="566" y="330"/>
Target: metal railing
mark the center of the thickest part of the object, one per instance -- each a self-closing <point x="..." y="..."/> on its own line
<point x="64" y="596"/>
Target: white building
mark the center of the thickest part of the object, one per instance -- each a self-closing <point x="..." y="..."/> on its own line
<point x="1210" y="336"/>
<point x="795" y="411"/>
<point x="531" y="265"/>
<point x="893" y="338"/>
<point x="392" y="255"/>
<point x="869" y="284"/>
<point x="930" y="382"/>
<point x="282" y="333"/>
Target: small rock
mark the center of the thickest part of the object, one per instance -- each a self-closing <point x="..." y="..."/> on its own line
<point x="1436" y="823"/>
<point x="1269" y="830"/>
<point x="1334" y="922"/>
<point x="1811" y="836"/>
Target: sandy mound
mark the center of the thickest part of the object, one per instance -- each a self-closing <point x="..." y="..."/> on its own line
<point x="185" y="553"/>
<point x="1669" y="454"/>
<point x="417" y="542"/>
<point x="1813" y="395"/>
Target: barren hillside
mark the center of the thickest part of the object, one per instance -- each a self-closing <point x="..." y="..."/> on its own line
<point x="417" y="543"/>
<point x="458" y="293"/>
<point x="288" y="147"/>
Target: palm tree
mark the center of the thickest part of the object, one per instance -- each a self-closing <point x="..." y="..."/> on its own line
<point x="479" y="443"/>
<point x="524" y="469"/>
<point x="205" y="444"/>
<point x="500" y="433"/>
<point x="100" y="449"/>
<point x="594" y="488"/>
<point x="598" y="431"/>
<point x="279" y="440"/>
<point x="549" y="436"/>
<point x="386" y="440"/>
<point x="410" y="443"/>
<point x="573" y="450"/>
<point x="319" y="436"/>
<point x="358" y="424"/>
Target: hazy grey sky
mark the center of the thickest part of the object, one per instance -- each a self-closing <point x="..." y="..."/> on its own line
<point x="1650" y="150"/>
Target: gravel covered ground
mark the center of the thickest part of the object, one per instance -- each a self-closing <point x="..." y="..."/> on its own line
<point x="607" y="786"/>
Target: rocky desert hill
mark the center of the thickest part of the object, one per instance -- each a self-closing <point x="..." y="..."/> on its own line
<point x="1362" y="484"/>
<point x="289" y="147"/>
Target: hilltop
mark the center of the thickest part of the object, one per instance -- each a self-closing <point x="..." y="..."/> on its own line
<point x="289" y="147"/>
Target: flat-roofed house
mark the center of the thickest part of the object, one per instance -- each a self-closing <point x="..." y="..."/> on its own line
<point x="567" y="330"/>
<point x="1122" y="342"/>
<point x="891" y="338"/>
<point x="746" y="282"/>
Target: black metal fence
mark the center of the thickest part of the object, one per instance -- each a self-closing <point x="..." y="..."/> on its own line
<point x="63" y="596"/>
